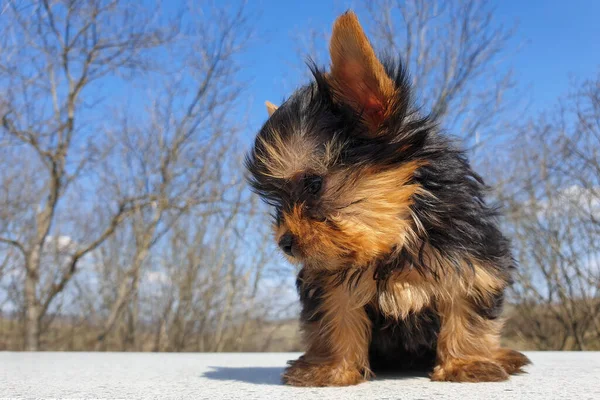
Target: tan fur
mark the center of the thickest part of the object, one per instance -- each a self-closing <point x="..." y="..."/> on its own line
<point x="411" y="291"/>
<point x="471" y="370"/>
<point x="271" y="108"/>
<point x="368" y="222"/>
<point x="469" y="351"/>
<point x="464" y="334"/>
<point x="402" y="297"/>
<point x="356" y="73"/>
<point x="337" y="345"/>
<point x="286" y="159"/>
<point x="301" y="373"/>
<point x="512" y="361"/>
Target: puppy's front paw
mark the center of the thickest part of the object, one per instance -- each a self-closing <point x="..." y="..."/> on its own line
<point x="512" y="361"/>
<point x="303" y="373"/>
<point x="469" y="371"/>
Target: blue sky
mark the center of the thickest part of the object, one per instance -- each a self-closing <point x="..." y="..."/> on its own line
<point x="555" y="41"/>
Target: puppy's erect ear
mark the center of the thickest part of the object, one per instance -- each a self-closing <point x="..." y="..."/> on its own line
<point x="357" y="75"/>
<point x="270" y="107"/>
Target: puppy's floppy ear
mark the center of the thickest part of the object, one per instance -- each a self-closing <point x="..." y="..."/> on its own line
<point x="270" y="107"/>
<point x="358" y="77"/>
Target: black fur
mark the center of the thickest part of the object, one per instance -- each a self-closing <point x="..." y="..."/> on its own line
<point x="408" y="344"/>
<point x="311" y="297"/>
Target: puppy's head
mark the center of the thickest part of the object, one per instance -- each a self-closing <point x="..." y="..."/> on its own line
<point x="336" y="161"/>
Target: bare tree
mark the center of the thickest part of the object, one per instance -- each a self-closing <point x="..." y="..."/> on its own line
<point x="216" y="297"/>
<point x="553" y="199"/>
<point x="55" y="54"/>
<point x="124" y="218"/>
<point x="176" y="160"/>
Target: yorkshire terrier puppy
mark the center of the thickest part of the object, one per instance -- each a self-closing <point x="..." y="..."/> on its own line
<point x="403" y="263"/>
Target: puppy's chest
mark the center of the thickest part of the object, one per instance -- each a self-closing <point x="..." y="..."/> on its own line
<point x="396" y="298"/>
<point x="399" y="299"/>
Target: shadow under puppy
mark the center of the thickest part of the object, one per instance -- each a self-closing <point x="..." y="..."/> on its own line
<point x="403" y="264"/>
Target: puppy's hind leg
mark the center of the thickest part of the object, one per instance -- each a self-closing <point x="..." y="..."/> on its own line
<point x="466" y="346"/>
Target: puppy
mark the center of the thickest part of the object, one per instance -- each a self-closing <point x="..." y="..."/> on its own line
<point x="403" y="265"/>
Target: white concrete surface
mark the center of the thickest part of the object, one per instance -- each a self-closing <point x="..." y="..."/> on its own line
<point x="256" y="376"/>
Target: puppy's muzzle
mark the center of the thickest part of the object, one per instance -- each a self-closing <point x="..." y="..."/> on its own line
<point x="287" y="244"/>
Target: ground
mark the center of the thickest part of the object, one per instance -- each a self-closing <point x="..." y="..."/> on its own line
<point x="554" y="375"/>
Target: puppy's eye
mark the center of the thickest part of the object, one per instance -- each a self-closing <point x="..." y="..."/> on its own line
<point x="312" y="184"/>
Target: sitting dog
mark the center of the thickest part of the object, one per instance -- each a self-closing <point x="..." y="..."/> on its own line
<point x="402" y="261"/>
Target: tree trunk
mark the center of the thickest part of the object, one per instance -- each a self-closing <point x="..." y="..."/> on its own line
<point x="126" y="288"/>
<point x="32" y="307"/>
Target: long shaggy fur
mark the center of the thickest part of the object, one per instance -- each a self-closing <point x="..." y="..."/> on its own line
<point x="403" y="263"/>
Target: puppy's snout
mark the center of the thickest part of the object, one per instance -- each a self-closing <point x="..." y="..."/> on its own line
<point x="286" y="243"/>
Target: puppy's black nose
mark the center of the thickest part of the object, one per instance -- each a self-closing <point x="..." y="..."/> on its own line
<point x="286" y="243"/>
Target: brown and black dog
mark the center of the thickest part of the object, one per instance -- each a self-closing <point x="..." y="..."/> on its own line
<point x="403" y="263"/>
